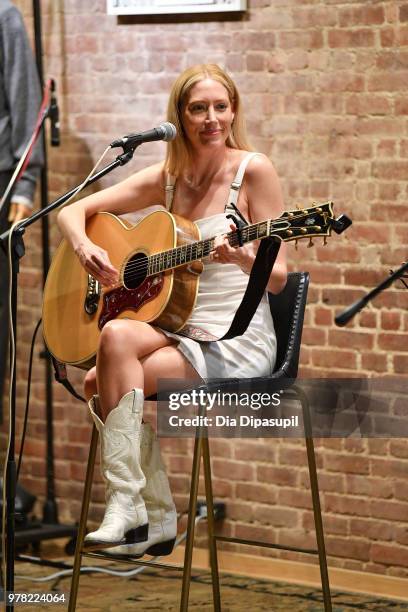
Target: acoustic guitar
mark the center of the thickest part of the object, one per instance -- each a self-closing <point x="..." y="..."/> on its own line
<point x="159" y="261"/>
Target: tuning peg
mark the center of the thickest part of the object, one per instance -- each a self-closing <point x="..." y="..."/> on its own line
<point x="310" y="243"/>
<point x="325" y="241"/>
<point x="296" y="245"/>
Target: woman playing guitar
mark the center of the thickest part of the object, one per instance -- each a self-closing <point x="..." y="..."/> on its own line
<point x="207" y="166"/>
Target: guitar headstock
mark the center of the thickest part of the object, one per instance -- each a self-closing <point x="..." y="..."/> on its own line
<point x="318" y="220"/>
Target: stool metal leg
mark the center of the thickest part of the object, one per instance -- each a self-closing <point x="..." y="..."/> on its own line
<point x="83" y="520"/>
<point x="212" y="543"/>
<point x="314" y="486"/>
<point x="192" y="511"/>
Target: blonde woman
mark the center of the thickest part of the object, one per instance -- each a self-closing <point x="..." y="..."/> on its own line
<point x="208" y="166"/>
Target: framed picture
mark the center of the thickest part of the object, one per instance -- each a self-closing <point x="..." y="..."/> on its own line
<point x="170" y="7"/>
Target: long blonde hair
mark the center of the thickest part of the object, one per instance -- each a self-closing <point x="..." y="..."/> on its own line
<point x="178" y="150"/>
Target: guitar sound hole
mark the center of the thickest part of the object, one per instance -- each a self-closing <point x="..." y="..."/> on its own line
<point x="135" y="271"/>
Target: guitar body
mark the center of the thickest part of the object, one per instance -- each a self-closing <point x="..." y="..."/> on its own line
<point x="75" y="307"/>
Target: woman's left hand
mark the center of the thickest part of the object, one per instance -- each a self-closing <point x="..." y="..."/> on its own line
<point x="243" y="257"/>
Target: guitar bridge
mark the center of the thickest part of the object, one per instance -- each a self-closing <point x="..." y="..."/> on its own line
<point x="92" y="295"/>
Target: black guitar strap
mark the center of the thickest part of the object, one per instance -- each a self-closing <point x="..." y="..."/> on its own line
<point x="258" y="279"/>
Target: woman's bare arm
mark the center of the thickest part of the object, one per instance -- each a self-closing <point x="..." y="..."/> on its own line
<point x="138" y="191"/>
<point x="263" y="192"/>
<point x="266" y="202"/>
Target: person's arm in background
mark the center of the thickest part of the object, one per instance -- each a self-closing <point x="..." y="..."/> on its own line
<point x="23" y="97"/>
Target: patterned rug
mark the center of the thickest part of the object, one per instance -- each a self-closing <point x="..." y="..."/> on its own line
<point x="154" y="591"/>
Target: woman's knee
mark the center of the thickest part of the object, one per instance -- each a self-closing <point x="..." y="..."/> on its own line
<point x="117" y="336"/>
<point x="127" y="337"/>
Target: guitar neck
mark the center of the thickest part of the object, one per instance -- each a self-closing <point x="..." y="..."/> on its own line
<point x="291" y="225"/>
<point x="187" y="253"/>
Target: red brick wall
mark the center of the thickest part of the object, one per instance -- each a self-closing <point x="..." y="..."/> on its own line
<point x="325" y="89"/>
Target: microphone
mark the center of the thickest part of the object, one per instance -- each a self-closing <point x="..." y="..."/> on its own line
<point x="53" y="113"/>
<point x="165" y="131"/>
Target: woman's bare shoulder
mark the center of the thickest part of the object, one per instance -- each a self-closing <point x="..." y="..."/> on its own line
<point x="144" y="187"/>
<point x="260" y="165"/>
<point x="153" y="176"/>
<point x="139" y="190"/>
<point x="262" y="188"/>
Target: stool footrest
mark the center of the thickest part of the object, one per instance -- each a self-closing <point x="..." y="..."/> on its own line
<point x="132" y="561"/>
<point x="306" y="551"/>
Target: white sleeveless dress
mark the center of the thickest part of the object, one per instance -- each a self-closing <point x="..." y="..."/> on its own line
<point x="220" y="291"/>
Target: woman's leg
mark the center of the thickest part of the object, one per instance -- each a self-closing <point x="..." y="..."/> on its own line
<point x="123" y="343"/>
<point x="160" y="363"/>
<point x="117" y="412"/>
<point x="166" y="362"/>
<point x="120" y="378"/>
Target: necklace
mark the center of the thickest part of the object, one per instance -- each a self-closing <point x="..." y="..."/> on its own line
<point x="205" y="181"/>
<point x="196" y="186"/>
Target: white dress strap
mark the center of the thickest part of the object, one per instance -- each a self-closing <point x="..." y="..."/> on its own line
<point x="237" y="182"/>
<point x="169" y="190"/>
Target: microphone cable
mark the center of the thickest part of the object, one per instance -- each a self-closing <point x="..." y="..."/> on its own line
<point x="27" y="406"/>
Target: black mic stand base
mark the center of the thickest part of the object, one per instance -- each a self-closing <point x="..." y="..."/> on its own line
<point x="35" y="532"/>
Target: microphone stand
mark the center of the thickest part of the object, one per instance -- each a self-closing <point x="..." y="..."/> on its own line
<point x="347" y="314"/>
<point x="50" y="512"/>
<point x="17" y="252"/>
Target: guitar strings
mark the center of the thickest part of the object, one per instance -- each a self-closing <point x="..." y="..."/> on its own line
<point x="233" y="240"/>
<point x="138" y="266"/>
<point x="133" y="268"/>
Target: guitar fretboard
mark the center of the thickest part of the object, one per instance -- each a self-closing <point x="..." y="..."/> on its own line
<point x="181" y="255"/>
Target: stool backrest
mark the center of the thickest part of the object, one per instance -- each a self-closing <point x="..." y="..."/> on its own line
<point x="288" y="309"/>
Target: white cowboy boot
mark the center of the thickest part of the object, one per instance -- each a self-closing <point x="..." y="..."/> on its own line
<point x="125" y="519"/>
<point x="160" y="506"/>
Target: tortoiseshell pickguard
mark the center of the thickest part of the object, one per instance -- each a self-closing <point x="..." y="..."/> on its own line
<point x="120" y="299"/>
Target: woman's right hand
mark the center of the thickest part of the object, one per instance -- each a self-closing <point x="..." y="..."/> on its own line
<point x="96" y="262"/>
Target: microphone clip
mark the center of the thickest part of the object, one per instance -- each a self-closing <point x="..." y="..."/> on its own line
<point x="53" y="114"/>
<point x="129" y="145"/>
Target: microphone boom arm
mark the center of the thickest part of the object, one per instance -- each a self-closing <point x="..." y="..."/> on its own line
<point x="347" y="314"/>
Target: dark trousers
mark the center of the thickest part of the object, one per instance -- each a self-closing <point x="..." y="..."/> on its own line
<point x="4" y="276"/>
